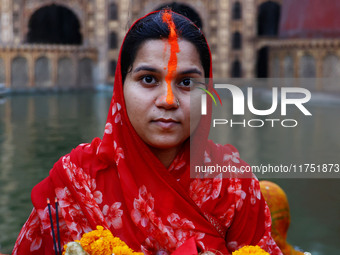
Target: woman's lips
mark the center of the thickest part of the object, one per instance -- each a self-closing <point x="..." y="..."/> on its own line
<point x="165" y="123"/>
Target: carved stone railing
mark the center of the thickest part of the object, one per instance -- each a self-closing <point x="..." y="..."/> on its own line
<point x="307" y="58"/>
<point x="41" y="66"/>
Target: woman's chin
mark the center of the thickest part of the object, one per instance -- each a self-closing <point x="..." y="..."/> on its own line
<point x="165" y="144"/>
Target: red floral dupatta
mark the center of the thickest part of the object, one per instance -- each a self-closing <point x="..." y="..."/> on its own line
<point x="117" y="182"/>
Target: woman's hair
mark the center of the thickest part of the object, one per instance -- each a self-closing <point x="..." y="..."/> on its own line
<point x="152" y="27"/>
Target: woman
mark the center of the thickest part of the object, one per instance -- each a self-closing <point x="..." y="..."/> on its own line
<point x="136" y="180"/>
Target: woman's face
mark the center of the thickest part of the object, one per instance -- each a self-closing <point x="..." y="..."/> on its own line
<point x="163" y="123"/>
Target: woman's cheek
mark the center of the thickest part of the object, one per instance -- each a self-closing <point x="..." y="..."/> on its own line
<point x="195" y="110"/>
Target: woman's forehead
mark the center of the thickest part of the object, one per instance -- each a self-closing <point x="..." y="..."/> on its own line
<point x="157" y="53"/>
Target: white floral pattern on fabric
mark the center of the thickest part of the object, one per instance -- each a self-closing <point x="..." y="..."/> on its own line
<point x="268" y="222"/>
<point x="177" y="164"/>
<point x="183" y="229"/>
<point x="85" y="186"/>
<point x="72" y="213"/>
<point x="36" y="240"/>
<point x="235" y="188"/>
<point x="201" y="190"/>
<point x="267" y="242"/>
<point x="160" y="235"/>
<point x="37" y="223"/>
<point x="235" y="157"/>
<point x="32" y="232"/>
<point x="207" y="158"/>
<point x="233" y="245"/>
<point x="86" y="190"/>
<point x="108" y="128"/>
<point x="113" y="215"/>
<point x="228" y="216"/>
<point x="116" y="107"/>
<point x="254" y="191"/>
<point x="46" y="224"/>
<point x="85" y="145"/>
<point x="118" y="153"/>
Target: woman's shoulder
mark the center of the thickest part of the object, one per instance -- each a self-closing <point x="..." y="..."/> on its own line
<point x="84" y="157"/>
<point x="85" y="154"/>
<point x="226" y="151"/>
<point x="226" y="158"/>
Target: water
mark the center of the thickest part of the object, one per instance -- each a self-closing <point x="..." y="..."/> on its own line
<point x="36" y="130"/>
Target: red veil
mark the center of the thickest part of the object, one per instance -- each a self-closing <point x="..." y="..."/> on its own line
<point x="117" y="182"/>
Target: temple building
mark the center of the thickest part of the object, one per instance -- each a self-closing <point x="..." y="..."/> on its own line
<point x="75" y="43"/>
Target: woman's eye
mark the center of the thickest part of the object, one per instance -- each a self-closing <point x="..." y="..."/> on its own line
<point x="148" y="79"/>
<point x="187" y="82"/>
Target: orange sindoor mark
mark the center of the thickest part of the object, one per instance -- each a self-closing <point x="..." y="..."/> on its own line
<point x="174" y="49"/>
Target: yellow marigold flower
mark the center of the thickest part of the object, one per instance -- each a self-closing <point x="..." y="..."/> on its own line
<point x="249" y="249"/>
<point x="122" y="250"/>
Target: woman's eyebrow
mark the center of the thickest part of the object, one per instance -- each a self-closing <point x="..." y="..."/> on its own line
<point x="190" y="71"/>
<point x="146" y="68"/>
<point x="155" y="70"/>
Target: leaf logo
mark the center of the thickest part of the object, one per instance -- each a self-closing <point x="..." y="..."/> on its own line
<point x="212" y="97"/>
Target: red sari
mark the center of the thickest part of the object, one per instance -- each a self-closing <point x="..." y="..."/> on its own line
<point x="118" y="183"/>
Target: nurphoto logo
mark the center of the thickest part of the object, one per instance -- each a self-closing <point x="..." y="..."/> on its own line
<point x="238" y="106"/>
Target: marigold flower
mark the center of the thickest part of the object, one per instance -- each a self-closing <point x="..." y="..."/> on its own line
<point x="249" y="249"/>
<point x="102" y="242"/>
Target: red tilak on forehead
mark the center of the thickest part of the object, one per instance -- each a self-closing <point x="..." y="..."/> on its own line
<point x="174" y="49"/>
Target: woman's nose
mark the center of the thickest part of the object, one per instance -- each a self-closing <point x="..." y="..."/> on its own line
<point x="167" y="98"/>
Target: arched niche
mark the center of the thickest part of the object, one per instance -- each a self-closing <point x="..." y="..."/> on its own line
<point x="113" y="41"/>
<point x="331" y="66"/>
<point x="19" y="73"/>
<point x="2" y="71"/>
<point x="236" y="69"/>
<point x="54" y="24"/>
<point x="112" y="67"/>
<point x="42" y="72"/>
<point x="237" y="11"/>
<point x="307" y="67"/>
<point x="237" y="41"/>
<point x="288" y="66"/>
<point x="276" y="72"/>
<point x="268" y="19"/>
<point x="262" y="62"/>
<point x="85" y="73"/>
<point x="113" y="11"/>
<point x="65" y="73"/>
